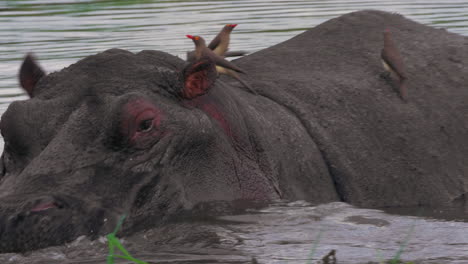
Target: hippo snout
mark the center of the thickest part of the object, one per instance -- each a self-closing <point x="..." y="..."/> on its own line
<point x="43" y="221"/>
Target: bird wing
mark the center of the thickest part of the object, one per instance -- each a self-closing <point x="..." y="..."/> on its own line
<point x="214" y="43"/>
<point x="233" y="74"/>
<point x="235" y="53"/>
<point x="221" y="50"/>
<point x="191" y="56"/>
<point x="394" y="60"/>
<point x="226" y="64"/>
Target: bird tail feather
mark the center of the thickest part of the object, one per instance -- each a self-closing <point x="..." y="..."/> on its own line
<point x="246" y="85"/>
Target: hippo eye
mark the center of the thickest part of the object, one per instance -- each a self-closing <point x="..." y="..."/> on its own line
<point x="140" y="124"/>
<point x="145" y="125"/>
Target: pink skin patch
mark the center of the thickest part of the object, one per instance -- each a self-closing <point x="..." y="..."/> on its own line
<point x="43" y="207"/>
<point x="214" y="112"/>
<point x="141" y="121"/>
<point x="210" y="108"/>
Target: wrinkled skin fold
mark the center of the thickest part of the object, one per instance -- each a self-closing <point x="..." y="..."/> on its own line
<point x="149" y="136"/>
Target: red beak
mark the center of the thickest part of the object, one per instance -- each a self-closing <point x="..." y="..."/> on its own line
<point x="189" y="36"/>
<point x="233" y="25"/>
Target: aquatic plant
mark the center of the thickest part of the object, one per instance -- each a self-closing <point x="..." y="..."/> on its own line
<point x="404" y="244"/>
<point x="396" y="259"/>
<point x="115" y="243"/>
<point x="314" y="247"/>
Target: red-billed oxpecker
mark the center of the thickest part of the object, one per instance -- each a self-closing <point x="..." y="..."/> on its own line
<point x="223" y="66"/>
<point x="220" y="44"/>
<point x="393" y="62"/>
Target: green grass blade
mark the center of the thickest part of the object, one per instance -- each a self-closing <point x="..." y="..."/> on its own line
<point x="314" y="247"/>
<point x="110" y="256"/>
<point x="119" y="224"/>
<point x="403" y="245"/>
<point x="379" y="256"/>
<point x="114" y="242"/>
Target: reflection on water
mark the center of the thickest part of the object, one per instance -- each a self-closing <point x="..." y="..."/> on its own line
<point x="62" y="31"/>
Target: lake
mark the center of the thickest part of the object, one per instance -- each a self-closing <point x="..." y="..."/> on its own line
<point x="60" y="32"/>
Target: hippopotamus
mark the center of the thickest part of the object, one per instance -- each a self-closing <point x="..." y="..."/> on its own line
<point x="147" y="135"/>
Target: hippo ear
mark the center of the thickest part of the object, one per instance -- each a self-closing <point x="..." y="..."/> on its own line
<point x="198" y="77"/>
<point x="29" y="74"/>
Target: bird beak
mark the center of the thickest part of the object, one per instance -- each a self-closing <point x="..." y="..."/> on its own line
<point x="233" y="25"/>
<point x="189" y="36"/>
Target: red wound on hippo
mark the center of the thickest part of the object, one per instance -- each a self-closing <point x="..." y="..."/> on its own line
<point x="30" y="73"/>
<point x="198" y="78"/>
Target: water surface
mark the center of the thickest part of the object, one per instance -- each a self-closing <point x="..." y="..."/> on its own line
<point x="292" y="233"/>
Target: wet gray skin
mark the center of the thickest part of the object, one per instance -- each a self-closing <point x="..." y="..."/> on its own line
<point x="147" y="135"/>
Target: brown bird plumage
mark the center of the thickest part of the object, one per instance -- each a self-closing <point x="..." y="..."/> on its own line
<point x="236" y="76"/>
<point x="393" y="62"/>
<point x="220" y="44"/>
<point x="223" y="66"/>
<point x="202" y="51"/>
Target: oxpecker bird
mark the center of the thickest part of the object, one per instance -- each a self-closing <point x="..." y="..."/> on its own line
<point x="392" y="62"/>
<point x="202" y="51"/>
<point x="220" y="44"/>
<point x="223" y="66"/>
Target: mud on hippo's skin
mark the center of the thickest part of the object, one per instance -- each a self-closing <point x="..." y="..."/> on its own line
<point x="147" y="135"/>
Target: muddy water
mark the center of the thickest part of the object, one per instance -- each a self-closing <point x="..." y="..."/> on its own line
<point x="293" y="233"/>
<point x="62" y="31"/>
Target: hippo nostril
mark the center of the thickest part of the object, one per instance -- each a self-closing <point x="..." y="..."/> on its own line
<point x="45" y="206"/>
<point x="46" y="203"/>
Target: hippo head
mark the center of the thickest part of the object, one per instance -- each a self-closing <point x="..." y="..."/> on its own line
<point x="119" y="133"/>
